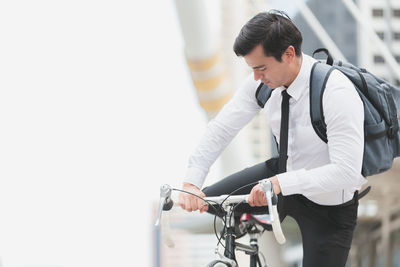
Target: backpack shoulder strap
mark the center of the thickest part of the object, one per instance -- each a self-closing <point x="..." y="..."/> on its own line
<point x="319" y="76"/>
<point x="263" y="93"/>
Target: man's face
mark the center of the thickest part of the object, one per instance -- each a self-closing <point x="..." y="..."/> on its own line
<point x="267" y="69"/>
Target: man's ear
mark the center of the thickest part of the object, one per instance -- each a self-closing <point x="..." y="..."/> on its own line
<point x="289" y="53"/>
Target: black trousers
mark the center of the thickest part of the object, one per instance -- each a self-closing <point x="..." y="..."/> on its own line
<point x="326" y="231"/>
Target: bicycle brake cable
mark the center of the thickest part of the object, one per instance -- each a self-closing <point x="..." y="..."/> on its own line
<point x="215" y="215"/>
<point x="234" y="191"/>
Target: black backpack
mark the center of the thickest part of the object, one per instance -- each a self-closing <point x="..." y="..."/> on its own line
<point x="381" y="111"/>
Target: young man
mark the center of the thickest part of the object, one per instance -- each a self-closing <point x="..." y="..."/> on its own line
<point x="317" y="183"/>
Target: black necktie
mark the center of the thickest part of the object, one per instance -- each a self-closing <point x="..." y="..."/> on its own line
<point x="283" y="139"/>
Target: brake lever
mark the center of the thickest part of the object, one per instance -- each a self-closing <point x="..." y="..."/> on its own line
<point x="165" y="201"/>
<point x="267" y="187"/>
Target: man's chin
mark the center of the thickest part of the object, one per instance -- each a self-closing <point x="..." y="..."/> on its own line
<point x="270" y="85"/>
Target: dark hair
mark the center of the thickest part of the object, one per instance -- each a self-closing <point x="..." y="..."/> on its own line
<point x="274" y="30"/>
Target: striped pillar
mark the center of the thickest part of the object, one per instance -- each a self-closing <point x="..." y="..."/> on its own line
<point x="209" y="79"/>
<point x="202" y="50"/>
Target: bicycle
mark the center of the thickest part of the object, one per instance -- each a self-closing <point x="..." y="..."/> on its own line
<point x="248" y="224"/>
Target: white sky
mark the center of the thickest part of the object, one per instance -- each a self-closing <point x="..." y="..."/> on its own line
<point x="96" y="111"/>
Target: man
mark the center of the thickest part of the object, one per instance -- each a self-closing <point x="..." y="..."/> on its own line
<point x="317" y="182"/>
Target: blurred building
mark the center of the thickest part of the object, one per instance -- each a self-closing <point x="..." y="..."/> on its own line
<point x="384" y="16"/>
<point x="337" y="22"/>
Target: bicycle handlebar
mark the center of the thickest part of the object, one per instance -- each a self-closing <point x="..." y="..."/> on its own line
<point x="166" y="203"/>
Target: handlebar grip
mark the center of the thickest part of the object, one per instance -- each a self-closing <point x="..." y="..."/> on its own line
<point x="169" y="203"/>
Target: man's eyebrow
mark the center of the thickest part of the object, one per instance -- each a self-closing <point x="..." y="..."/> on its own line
<point x="258" y="67"/>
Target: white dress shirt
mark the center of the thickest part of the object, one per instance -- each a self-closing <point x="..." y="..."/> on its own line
<point x="325" y="173"/>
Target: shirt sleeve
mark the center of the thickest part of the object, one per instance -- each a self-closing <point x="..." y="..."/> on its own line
<point x="344" y="116"/>
<point x="221" y="130"/>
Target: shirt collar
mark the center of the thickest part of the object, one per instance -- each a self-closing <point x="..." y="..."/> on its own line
<point x="300" y="83"/>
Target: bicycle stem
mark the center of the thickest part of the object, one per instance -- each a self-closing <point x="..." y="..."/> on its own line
<point x="230" y="236"/>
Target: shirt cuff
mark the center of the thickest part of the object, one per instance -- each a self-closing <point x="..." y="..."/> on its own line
<point x="290" y="182"/>
<point x="195" y="176"/>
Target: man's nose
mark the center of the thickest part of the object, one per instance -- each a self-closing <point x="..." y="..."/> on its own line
<point x="257" y="76"/>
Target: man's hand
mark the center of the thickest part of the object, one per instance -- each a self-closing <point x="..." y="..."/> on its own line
<point x="189" y="202"/>
<point x="257" y="195"/>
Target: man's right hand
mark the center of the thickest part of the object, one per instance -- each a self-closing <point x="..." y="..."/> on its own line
<point x="189" y="202"/>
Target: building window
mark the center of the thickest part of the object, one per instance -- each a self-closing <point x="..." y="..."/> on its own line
<point x="397" y="58"/>
<point x="396" y="36"/>
<point x="377" y="12"/>
<point x="378" y="59"/>
<point x="396" y="13"/>
<point x="397" y="82"/>
<point x="381" y="35"/>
